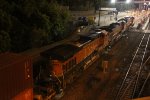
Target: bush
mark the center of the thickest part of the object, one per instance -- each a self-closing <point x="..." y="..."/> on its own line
<point x="31" y="23"/>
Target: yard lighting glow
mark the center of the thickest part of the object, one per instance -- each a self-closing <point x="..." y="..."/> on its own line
<point x="113" y="1"/>
<point x="128" y="1"/>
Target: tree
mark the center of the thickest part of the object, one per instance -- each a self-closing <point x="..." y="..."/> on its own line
<point x="32" y="23"/>
<point x="4" y="41"/>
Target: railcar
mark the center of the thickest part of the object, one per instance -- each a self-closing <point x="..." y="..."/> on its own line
<point x="16" y="77"/>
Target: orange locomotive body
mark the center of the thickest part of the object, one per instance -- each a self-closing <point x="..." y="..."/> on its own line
<point x="70" y="59"/>
<point x="16" y="77"/>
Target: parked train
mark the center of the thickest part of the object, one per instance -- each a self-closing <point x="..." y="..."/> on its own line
<point x="60" y="65"/>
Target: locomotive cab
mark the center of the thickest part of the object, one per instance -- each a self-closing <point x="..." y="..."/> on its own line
<point x="61" y="60"/>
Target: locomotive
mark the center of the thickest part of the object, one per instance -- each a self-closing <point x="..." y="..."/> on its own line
<point x="67" y="61"/>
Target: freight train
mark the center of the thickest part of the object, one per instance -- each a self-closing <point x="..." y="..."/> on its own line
<point x="60" y="66"/>
<point x="66" y="62"/>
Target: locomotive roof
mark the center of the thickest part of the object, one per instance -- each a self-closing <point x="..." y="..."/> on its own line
<point x="61" y="52"/>
<point x="94" y="35"/>
<point x="107" y="28"/>
<point x="84" y="39"/>
<point x="6" y="58"/>
<point x="114" y="24"/>
<point x="123" y="19"/>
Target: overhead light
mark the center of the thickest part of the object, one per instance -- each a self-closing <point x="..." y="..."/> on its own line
<point x="128" y="1"/>
<point x="145" y="3"/>
<point x="113" y="1"/>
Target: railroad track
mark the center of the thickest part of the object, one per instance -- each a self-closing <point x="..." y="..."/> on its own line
<point x="130" y="86"/>
<point x="146" y="78"/>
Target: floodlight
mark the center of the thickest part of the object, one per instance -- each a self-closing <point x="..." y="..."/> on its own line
<point x="128" y="1"/>
<point x="113" y="1"/>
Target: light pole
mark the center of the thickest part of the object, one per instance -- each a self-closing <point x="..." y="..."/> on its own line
<point x="114" y="3"/>
<point x="99" y="13"/>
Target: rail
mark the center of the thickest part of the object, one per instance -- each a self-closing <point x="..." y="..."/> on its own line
<point x="128" y="71"/>
<point x="145" y="79"/>
<point x="133" y="72"/>
<point x="141" y="66"/>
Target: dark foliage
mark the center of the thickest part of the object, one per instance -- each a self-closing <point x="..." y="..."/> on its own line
<point x="26" y="24"/>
